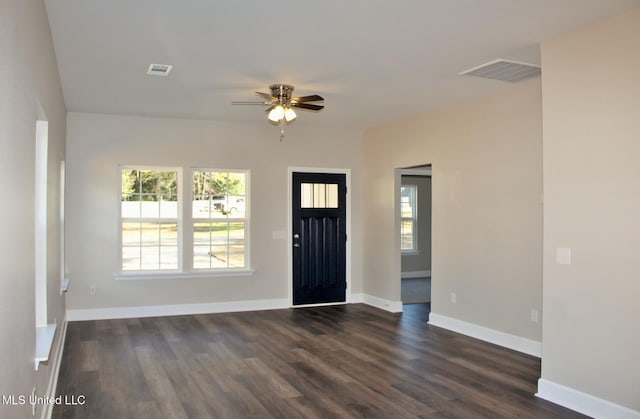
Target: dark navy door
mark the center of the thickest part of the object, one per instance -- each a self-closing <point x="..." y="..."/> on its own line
<point x="319" y="238"/>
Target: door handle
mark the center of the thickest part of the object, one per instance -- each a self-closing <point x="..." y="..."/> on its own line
<point x="296" y="236"/>
<point x="296" y="244"/>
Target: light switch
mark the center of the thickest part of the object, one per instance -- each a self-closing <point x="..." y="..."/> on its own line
<point x="563" y="256"/>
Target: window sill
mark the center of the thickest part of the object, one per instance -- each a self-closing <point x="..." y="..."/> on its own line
<point x="64" y="285"/>
<point x="410" y="253"/>
<point x="129" y="276"/>
<point x="44" y="342"/>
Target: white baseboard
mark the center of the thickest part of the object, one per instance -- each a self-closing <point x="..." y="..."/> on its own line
<point x="415" y="274"/>
<point x="381" y="303"/>
<point x="582" y="402"/>
<point x="174" y="310"/>
<point x="356" y="298"/>
<point x="54" y="371"/>
<point x="517" y="343"/>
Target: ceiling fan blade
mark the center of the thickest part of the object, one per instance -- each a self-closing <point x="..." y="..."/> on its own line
<point x="249" y="103"/>
<point x="271" y="107"/>
<point x="266" y="96"/>
<point x="310" y="98"/>
<point x="308" y="106"/>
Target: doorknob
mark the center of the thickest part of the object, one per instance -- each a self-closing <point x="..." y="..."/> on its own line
<point x="296" y="236"/>
<point x="296" y="244"/>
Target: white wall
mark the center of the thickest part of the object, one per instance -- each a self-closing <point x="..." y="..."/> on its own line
<point x="487" y="210"/>
<point x="591" y="111"/>
<point x="28" y="76"/>
<point x="98" y="144"/>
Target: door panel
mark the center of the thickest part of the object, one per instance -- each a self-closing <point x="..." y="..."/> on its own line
<point x="319" y="236"/>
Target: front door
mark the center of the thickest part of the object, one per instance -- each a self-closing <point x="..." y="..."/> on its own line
<point x="319" y="238"/>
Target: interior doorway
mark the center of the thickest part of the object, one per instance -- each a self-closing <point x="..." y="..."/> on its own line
<point x="415" y="234"/>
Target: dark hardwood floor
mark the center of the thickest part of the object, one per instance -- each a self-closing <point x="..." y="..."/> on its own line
<point x="339" y="361"/>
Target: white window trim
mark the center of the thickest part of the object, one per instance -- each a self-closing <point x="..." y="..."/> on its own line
<point x="185" y="268"/>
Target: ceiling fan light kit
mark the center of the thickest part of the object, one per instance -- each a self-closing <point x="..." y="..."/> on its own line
<point x="281" y="103"/>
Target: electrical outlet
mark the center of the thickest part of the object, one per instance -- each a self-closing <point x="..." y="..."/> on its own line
<point x="92" y="289"/>
<point x="534" y="316"/>
<point x="453" y="298"/>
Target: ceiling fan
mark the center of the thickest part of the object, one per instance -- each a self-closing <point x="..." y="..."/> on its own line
<point x="280" y="104"/>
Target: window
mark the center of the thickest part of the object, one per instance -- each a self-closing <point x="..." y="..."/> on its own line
<point x="408" y="218"/>
<point x="149" y="219"/>
<point x="319" y="195"/>
<point x="164" y="234"/>
<point x="220" y="224"/>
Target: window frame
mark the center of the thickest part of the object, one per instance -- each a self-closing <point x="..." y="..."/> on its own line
<point x="184" y="222"/>
<point x="414" y="220"/>
<point x="229" y="219"/>
<point x="178" y="221"/>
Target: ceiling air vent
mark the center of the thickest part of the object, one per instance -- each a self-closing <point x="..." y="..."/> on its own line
<point x="159" y="69"/>
<point x="505" y="70"/>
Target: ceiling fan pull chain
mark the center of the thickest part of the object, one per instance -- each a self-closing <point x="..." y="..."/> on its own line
<point x="281" y="129"/>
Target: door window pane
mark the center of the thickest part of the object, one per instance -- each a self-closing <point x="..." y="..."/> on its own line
<point x="319" y="195"/>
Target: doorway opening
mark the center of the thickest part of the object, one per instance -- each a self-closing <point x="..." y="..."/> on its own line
<point x="415" y="237"/>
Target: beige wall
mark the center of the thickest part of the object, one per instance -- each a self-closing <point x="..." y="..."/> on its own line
<point x="28" y="76"/>
<point x="591" y="111"/>
<point x="487" y="210"/>
<point x="98" y="144"/>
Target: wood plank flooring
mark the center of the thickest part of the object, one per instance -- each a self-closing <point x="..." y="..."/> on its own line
<point x="351" y="361"/>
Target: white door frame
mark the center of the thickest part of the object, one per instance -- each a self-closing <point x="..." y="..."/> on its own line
<point x="290" y="171"/>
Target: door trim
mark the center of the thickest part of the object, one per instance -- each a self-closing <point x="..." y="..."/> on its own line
<point x="290" y="171"/>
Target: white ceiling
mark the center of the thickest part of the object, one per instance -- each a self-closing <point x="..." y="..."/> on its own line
<point x="374" y="61"/>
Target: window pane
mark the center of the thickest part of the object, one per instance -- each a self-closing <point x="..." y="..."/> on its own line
<point x="235" y="206"/>
<point x="306" y="195"/>
<point x="406" y="235"/>
<point x="201" y="207"/>
<point x="169" y="234"/>
<point x="168" y="206"/>
<point x="150" y="234"/>
<point x="148" y="182"/>
<point x="201" y="257"/>
<point x="150" y="257"/>
<point x="131" y="259"/>
<point x="169" y="257"/>
<point x="319" y="195"/>
<point x="130" y="205"/>
<point x="131" y="234"/>
<point x="237" y="184"/>
<point x="218" y="245"/>
<point x="201" y="234"/>
<point x="219" y="256"/>
<point x="235" y="249"/>
<point x="408" y="195"/>
<point x="150" y="206"/>
<point x="167" y="183"/>
<point x="332" y="195"/>
<point x="219" y="195"/>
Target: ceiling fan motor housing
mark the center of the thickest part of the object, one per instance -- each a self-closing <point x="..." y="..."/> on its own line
<point x="282" y="92"/>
